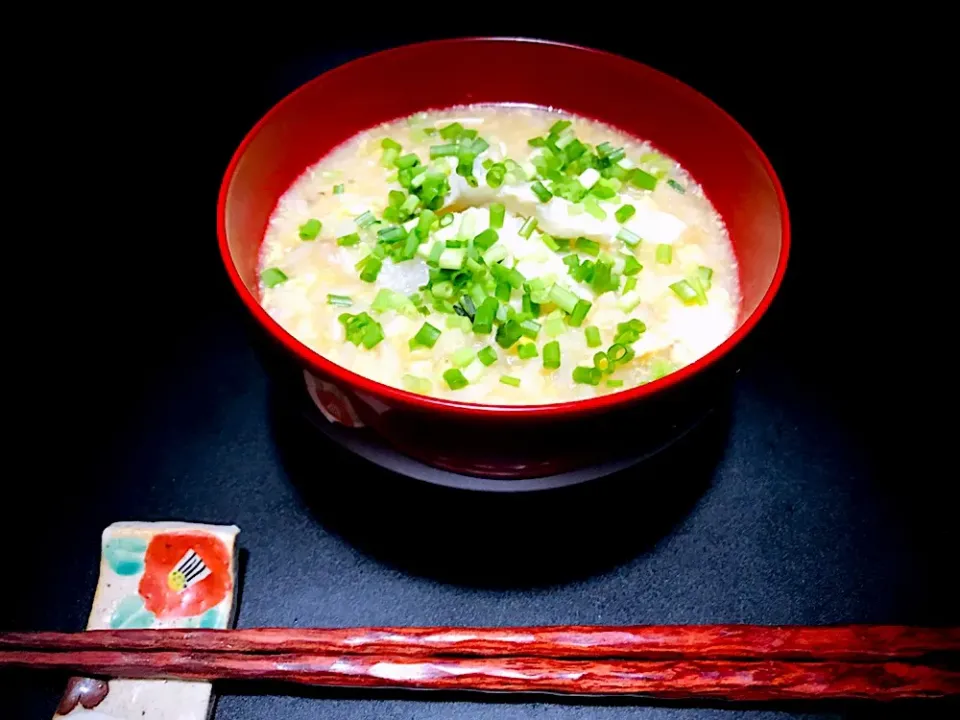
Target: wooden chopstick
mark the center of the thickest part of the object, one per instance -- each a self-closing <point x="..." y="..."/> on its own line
<point x="852" y="643"/>
<point x="767" y="680"/>
<point x="731" y="662"/>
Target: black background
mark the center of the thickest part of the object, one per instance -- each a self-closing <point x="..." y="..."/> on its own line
<point x="823" y="493"/>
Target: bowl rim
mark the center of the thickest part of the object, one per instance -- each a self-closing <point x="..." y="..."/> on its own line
<point x="357" y="382"/>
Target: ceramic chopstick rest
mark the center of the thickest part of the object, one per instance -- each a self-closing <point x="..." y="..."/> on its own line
<point x="157" y="575"/>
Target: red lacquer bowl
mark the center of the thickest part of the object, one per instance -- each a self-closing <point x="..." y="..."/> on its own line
<point x="494" y="440"/>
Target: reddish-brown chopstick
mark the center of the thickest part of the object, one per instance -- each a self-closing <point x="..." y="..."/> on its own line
<point x="670" y="679"/>
<point x="855" y="643"/>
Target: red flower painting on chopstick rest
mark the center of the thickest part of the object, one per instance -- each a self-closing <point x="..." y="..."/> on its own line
<point x="185" y="574"/>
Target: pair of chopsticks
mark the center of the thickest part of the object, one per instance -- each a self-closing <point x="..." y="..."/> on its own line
<point x="727" y="662"/>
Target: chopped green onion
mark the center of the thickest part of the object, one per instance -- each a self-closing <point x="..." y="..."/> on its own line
<point x="455" y="379"/>
<point x="426" y="337"/>
<point x="550" y="242"/>
<point x="604" y="189"/>
<point x="425" y="223"/>
<point x="676" y="186"/>
<point x="416" y="384"/>
<point x="466" y="302"/>
<point x="593" y="336"/>
<point x="604" y="149"/>
<point x="563" y="298"/>
<point x="391" y="214"/>
<point x="339" y="300"/>
<point x="616" y="353"/>
<point x="572" y="262"/>
<point x="559" y="126"/>
<point x="388" y="299"/>
<point x="614" y="383"/>
<point x="512" y="276"/>
<point x="630" y="284"/>
<point x="439" y="151"/>
<point x="497" y="211"/>
<point x="629" y="237"/>
<point x="366" y="219"/>
<point x="551" y="355"/>
<point x="389" y="157"/>
<point x="391" y="234"/>
<point x="310" y="229"/>
<point x="457" y="322"/>
<point x="435" y="252"/>
<point x="508" y="333"/>
<point x="452" y="258"/>
<point x="475" y="266"/>
<point x="372" y="335"/>
<point x="530" y="328"/>
<point x="642" y="179"/>
<point x="361" y="328"/>
<point x="603" y="278"/>
<point x="410" y="247"/>
<point x="407" y="161"/>
<point x="463" y="357"/>
<point x="391" y="144"/>
<point x="348" y="239"/>
<point x="502" y="291"/>
<point x="410" y="204"/>
<point x="554" y="326"/>
<point x="664" y="254"/>
<point x="591" y="205"/>
<point x="478" y="145"/>
<point x="371" y="268"/>
<point x="496" y="174"/>
<point x="446" y="220"/>
<point x="601" y="362"/>
<point x="541" y="192"/>
<point x="616" y="155"/>
<point x="442" y="289"/>
<point x="478" y="295"/>
<point x="579" y="313"/>
<point x="655" y="159"/>
<point x="483" y="319"/>
<point x="660" y="367"/>
<point x="630" y="331"/>
<point x="529" y="306"/>
<point x="486" y="239"/>
<point x="588" y="178"/>
<point x="495" y="254"/>
<point x="684" y="290"/>
<point x="590" y="247"/>
<point x="624" y="213"/>
<point x="587" y="375"/>
<point x="706" y="276"/>
<point x="510" y="380"/>
<point x="272" y="277"/>
<point x="694" y="281"/>
<point x="451" y="131"/>
<point x="487" y="355"/>
<point x="527" y="351"/>
<point x="529" y="225"/>
<point x="631" y="266"/>
<point x="338" y="189"/>
<point x="395" y="198"/>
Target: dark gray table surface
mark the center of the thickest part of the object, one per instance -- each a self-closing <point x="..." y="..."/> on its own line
<point x="813" y="497"/>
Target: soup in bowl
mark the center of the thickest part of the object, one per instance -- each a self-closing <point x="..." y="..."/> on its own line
<point x="480" y="270"/>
